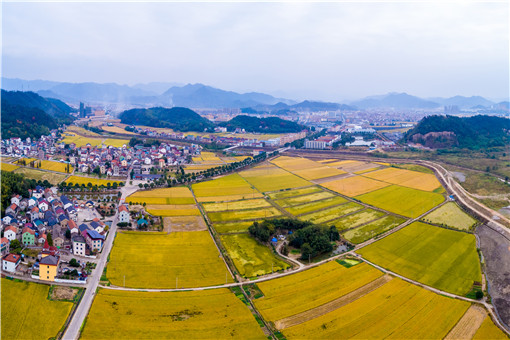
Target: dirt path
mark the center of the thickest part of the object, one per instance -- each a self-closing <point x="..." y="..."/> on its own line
<point x="468" y="324"/>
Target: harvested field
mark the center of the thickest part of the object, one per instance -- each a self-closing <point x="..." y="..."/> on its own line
<point x="234" y="227"/>
<point x="488" y="330"/>
<point x="468" y="324"/>
<point x="451" y="215"/>
<point x="357" y="219"/>
<point x="315" y="206"/>
<point x="406" y="178"/>
<point x="173" y="210"/>
<point x="354" y="185"/>
<point x="272" y="179"/>
<point x="236" y="205"/>
<point x="295" y="192"/>
<point x="333" y="213"/>
<point x="372" y="229"/>
<point x="285" y="202"/>
<point x="184" y="223"/>
<point x="63" y="293"/>
<point x="242" y="215"/>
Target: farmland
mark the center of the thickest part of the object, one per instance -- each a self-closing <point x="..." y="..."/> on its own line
<point x="51" y="177"/>
<point x="357" y="219"/>
<point x="311" y="288"/>
<point x="451" y="215"/>
<point x="46" y="165"/>
<point x="285" y="202"/>
<point x="306" y="168"/>
<point x="175" y="195"/>
<point x="224" y="186"/>
<point x="80" y="140"/>
<point x="182" y="259"/>
<point x="295" y="192"/>
<point x="116" y="129"/>
<point x="250" y="257"/>
<point x="372" y="229"/>
<point x="270" y="178"/>
<point x="25" y="310"/>
<point x="236" y="205"/>
<point x="232" y="227"/>
<point x="94" y="181"/>
<point x="397" y="310"/>
<point x="333" y="213"/>
<point x="241" y="215"/>
<point x="354" y="185"/>
<point x="314" y="206"/>
<point x="173" y="210"/>
<point x="438" y="257"/>
<point x="406" y="178"/>
<point x="403" y="201"/>
<point x="209" y="314"/>
<point x="9" y="167"/>
<point x="488" y="330"/>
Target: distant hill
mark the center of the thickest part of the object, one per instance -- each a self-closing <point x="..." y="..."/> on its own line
<point x="262" y="125"/>
<point x="477" y="132"/>
<point x="156" y="87"/>
<point x="464" y="102"/>
<point x="51" y="106"/>
<point x="177" y="118"/>
<point x="395" y="101"/>
<point x="320" y="106"/>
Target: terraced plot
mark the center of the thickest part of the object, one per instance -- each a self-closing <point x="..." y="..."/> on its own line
<point x="451" y="215"/>
<point x="295" y="192"/>
<point x="290" y="295"/>
<point x="406" y="178"/>
<point x="236" y="205"/>
<point x="25" y="310"/>
<point x="354" y="185"/>
<point x="357" y="219"/>
<point x="182" y="259"/>
<point x="286" y="202"/>
<point x="173" y="210"/>
<point x="242" y="215"/>
<point x="250" y="257"/>
<point x="403" y="201"/>
<point x="86" y="180"/>
<point x="271" y="178"/>
<point x="438" y="257"/>
<point x="395" y="310"/>
<point x="175" y="195"/>
<point x="209" y="314"/>
<point x="314" y="206"/>
<point x="330" y="214"/>
<point x="372" y="229"/>
<point x="230" y="185"/>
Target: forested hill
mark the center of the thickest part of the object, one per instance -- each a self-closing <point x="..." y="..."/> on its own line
<point x="26" y="114"/>
<point x="477" y="132"/>
<point x="263" y="125"/>
<point x="176" y="118"/>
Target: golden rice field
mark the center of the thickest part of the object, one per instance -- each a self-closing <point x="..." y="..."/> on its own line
<point x="402" y="200"/>
<point x="295" y="192"/>
<point x="354" y="185"/>
<point x="82" y="131"/>
<point x="47" y="165"/>
<point x="9" y="167"/>
<point x="161" y="260"/>
<point x="451" y="215"/>
<point x="250" y="257"/>
<point x="80" y="141"/>
<point x="208" y="314"/>
<point x="173" y="210"/>
<point x="86" y="180"/>
<point x="117" y="143"/>
<point x="174" y="195"/>
<point x="357" y="219"/>
<point x="293" y="294"/>
<point x="295" y="163"/>
<point x="488" y="330"/>
<point x="236" y="205"/>
<point x="224" y="186"/>
<point x="116" y="129"/>
<point x="232" y="227"/>
<point x="406" y="178"/>
<point x="27" y="160"/>
<point x="396" y="310"/>
<point x="315" y="196"/>
<point x="253" y="195"/>
<point x="372" y="229"/>
<point x="52" y="177"/>
<point x="241" y="215"/>
<point x="315" y="205"/>
<point x="438" y="257"/>
<point x="318" y="173"/>
<point x="330" y="214"/>
<point x="271" y="178"/>
<point x="28" y="314"/>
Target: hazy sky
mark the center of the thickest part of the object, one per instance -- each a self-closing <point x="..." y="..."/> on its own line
<point x="327" y="51"/>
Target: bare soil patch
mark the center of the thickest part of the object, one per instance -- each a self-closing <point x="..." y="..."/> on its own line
<point x="63" y="293"/>
<point x="468" y="324"/>
<point x="184" y="223"/>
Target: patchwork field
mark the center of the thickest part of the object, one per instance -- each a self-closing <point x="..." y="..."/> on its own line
<point x="270" y="178"/>
<point x="250" y="257"/>
<point x="175" y="195"/>
<point x="8" y="167"/>
<point x="372" y="229"/>
<point x="295" y="192"/>
<point x="232" y="227"/>
<point x="354" y="185"/>
<point x="209" y="314"/>
<point x="25" y="310"/>
<point x="315" y="196"/>
<point x="331" y="213"/>
<point x="451" y="215"/>
<point x="224" y="186"/>
<point x="406" y="178"/>
<point x="173" y="210"/>
<point x="438" y="257"/>
<point x="488" y="330"/>
<point x="306" y="168"/>
<point x="190" y="258"/>
<point x="242" y="215"/>
<point x="357" y="219"/>
<point x="318" y="173"/>
<point x="315" y="206"/>
<point x="86" y="180"/>
<point x="236" y="205"/>
<point x="396" y="310"/>
<point x="403" y="201"/>
<point x="51" y="177"/>
<point x="290" y="295"/>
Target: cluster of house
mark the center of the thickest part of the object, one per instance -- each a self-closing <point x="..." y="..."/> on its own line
<point x="28" y="147"/>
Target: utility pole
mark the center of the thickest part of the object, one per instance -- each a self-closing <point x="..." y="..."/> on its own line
<point x="124" y="281"/>
<point x="176" y="280"/>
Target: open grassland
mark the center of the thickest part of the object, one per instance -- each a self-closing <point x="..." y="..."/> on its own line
<point x="315" y="206"/>
<point x="160" y="260"/>
<point x="396" y="310"/>
<point x="286" y="202"/>
<point x="357" y="219"/>
<point x="354" y="185"/>
<point x="208" y="314"/>
<point x="86" y="180"/>
<point x="51" y="177"/>
<point x="438" y="257"/>
<point x="271" y="178"/>
<point x="403" y="201"/>
<point x="250" y="257"/>
<point x="373" y="229"/>
<point x="406" y="178"/>
<point x="224" y="186"/>
<point x="9" y="167"/>
<point x="451" y="215"/>
<point x="173" y="210"/>
<point x="311" y="288"/>
<point x="296" y="192"/>
<point x="175" y="195"/>
<point x="333" y="213"/>
<point x="488" y="330"/>
<point x="236" y="205"/>
<point x="28" y="314"/>
<point x="244" y="214"/>
<point x="234" y="227"/>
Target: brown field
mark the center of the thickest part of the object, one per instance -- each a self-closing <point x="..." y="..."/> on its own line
<point x="468" y="324"/>
<point x="406" y="178"/>
<point x="354" y="186"/>
<point x="184" y="223"/>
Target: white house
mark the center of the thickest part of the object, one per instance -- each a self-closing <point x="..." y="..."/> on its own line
<point x="79" y="245"/>
<point x="43" y="205"/>
<point x="10" y="262"/>
<point x="15" y="199"/>
<point x="123" y="214"/>
<point x="10" y="232"/>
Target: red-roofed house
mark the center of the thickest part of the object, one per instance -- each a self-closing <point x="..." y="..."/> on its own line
<point x="4" y="245"/>
<point x="10" y="262"/>
<point x="10" y="232"/>
<point x="123" y="214"/>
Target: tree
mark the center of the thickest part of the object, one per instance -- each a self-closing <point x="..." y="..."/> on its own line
<point x="15" y="246"/>
<point x="74" y="263"/>
<point x="49" y="238"/>
<point x="68" y="234"/>
<point x="306" y="251"/>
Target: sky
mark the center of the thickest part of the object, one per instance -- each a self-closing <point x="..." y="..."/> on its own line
<point x="325" y="51"/>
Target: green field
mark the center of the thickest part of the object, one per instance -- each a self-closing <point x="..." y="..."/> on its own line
<point x="28" y="314"/>
<point x="243" y="214"/>
<point x="233" y="227"/>
<point x="208" y="314"/>
<point x="286" y="202"/>
<point x="331" y="213"/>
<point x="160" y="260"/>
<point x="357" y="219"/>
<point x="295" y="192"/>
<point x="451" y="215"/>
<point x="372" y="229"/>
<point x="314" y="206"/>
<point x="438" y="257"/>
<point x="250" y="257"/>
<point x="403" y="201"/>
